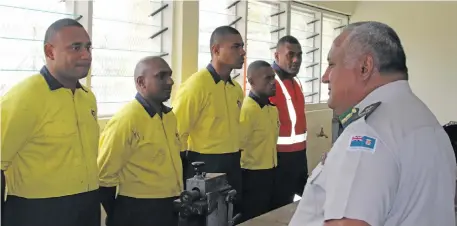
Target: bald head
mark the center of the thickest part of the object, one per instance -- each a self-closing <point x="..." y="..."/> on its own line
<point x="149" y="63"/>
<point x="153" y="78"/>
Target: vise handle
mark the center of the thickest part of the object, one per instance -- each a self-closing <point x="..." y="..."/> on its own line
<point x="197" y="168"/>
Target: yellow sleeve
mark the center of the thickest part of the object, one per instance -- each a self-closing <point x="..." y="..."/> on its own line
<point x="187" y="107"/>
<point x="247" y="124"/>
<point x="18" y="120"/>
<point x="115" y="147"/>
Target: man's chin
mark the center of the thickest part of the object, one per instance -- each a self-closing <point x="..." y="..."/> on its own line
<point x="81" y="76"/>
<point x="330" y="103"/>
<point x="294" y="71"/>
<point x="83" y="73"/>
<point x="239" y="66"/>
<point x="166" y="98"/>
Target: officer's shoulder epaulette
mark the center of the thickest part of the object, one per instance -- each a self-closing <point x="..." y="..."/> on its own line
<point x="354" y="114"/>
<point x="367" y="111"/>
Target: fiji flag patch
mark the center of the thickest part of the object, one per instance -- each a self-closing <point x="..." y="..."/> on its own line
<point x="363" y="143"/>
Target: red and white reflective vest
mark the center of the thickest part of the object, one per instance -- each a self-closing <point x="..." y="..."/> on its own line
<point x="290" y="101"/>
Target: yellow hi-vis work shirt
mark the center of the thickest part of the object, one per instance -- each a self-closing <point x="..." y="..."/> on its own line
<point x="49" y="138"/>
<point x="139" y="152"/>
<point x="208" y="112"/>
<point x="260" y="128"/>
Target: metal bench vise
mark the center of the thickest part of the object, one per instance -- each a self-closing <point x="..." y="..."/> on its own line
<point x="207" y="201"/>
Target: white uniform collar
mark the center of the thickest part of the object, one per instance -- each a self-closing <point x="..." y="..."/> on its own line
<point x="385" y="93"/>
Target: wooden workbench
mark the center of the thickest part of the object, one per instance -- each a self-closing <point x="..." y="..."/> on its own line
<point x="278" y="217"/>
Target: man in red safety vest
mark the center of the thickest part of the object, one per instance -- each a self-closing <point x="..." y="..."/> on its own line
<point x="292" y="167"/>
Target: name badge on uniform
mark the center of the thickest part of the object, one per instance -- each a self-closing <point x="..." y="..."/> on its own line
<point x="362" y="143"/>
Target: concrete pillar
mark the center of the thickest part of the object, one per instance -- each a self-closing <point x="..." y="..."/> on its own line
<point x="184" y="50"/>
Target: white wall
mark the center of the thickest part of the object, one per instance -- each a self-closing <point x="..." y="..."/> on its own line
<point x="428" y="31"/>
<point x="341" y="6"/>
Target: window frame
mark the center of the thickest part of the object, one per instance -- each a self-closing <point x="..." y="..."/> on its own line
<point x="86" y="11"/>
<point x="285" y="22"/>
<point x="30" y="52"/>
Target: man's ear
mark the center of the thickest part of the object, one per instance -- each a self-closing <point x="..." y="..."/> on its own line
<point x="140" y="81"/>
<point x="215" y="49"/>
<point x="251" y="82"/>
<point x="367" y="67"/>
<point x="276" y="56"/>
<point x="48" y="51"/>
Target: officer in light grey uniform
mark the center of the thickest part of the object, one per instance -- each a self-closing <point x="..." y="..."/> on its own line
<point x="393" y="165"/>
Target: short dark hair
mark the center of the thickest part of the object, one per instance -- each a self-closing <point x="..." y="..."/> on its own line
<point x="58" y="25"/>
<point x="381" y="41"/>
<point x="220" y="32"/>
<point x="257" y="65"/>
<point x="287" y="39"/>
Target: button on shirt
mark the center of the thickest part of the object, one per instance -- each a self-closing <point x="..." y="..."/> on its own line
<point x="394" y="167"/>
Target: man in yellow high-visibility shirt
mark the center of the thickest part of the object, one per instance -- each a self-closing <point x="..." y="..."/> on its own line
<point x="139" y="153"/>
<point x="260" y="128"/>
<point x="208" y="109"/>
<point x="49" y="137"/>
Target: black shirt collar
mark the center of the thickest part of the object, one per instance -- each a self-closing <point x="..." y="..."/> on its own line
<point x="150" y="110"/>
<point x="262" y="102"/>
<point x="217" y="78"/>
<point x="53" y="83"/>
<point x="281" y="72"/>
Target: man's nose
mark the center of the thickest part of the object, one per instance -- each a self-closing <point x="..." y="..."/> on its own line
<point x="326" y="77"/>
<point x="295" y="59"/>
<point x="86" y="54"/>
<point x="171" y="81"/>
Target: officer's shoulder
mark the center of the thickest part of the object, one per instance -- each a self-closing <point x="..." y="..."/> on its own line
<point x="369" y="110"/>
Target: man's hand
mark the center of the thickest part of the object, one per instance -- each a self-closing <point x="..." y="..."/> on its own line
<point x="345" y="222"/>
